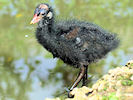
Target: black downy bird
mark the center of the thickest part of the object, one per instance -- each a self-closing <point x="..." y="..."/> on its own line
<point x="77" y="43"/>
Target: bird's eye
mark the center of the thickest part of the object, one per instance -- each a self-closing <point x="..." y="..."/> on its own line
<point x="38" y="14"/>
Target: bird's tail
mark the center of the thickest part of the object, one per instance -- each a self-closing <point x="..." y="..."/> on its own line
<point x="112" y="41"/>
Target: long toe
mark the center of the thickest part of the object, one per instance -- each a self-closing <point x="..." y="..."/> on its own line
<point x="70" y="95"/>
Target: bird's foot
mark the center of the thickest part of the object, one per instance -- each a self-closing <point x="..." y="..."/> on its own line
<point x="69" y="93"/>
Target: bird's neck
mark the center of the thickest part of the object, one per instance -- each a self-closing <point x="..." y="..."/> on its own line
<point x="47" y="25"/>
<point x="45" y="32"/>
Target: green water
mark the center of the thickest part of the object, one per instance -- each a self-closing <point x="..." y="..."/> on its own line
<point x="28" y="72"/>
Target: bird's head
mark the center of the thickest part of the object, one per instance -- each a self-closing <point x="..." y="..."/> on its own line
<point x="42" y="11"/>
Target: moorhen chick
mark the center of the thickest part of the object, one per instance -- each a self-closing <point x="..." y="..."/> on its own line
<point x="77" y="43"/>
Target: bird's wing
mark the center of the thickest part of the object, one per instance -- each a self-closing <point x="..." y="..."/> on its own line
<point x="79" y="35"/>
<point x="72" y="28"/>
<point x="74" y="36"/>
<point x="72" y="33"/>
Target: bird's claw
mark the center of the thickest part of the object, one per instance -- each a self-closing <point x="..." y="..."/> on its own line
<point x="69" y="93"/>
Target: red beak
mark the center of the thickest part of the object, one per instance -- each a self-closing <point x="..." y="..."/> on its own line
<point x="35" y="19"/>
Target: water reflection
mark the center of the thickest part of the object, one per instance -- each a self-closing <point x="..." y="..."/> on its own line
<point x="25" y="80"/>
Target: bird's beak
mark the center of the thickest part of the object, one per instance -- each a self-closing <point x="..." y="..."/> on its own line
<point x="35" y="19"/>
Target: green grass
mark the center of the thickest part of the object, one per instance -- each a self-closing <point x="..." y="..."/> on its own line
<point x="111" y="96"/>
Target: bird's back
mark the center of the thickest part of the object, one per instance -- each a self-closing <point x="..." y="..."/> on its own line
<point x="83" y="42"/>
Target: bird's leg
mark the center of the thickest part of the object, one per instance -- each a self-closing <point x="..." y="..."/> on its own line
<point x="85" y="78"/>
<point x="80" y="76"/>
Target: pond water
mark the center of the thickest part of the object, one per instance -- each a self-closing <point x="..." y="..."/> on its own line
<point x="28" y="72"/>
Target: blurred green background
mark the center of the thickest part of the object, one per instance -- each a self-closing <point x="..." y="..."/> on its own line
<point x="28" y="72"/>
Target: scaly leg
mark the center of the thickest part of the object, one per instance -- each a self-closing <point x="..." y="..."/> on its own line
<point x="85" y="78"/>
<point x="79" y="78"/>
